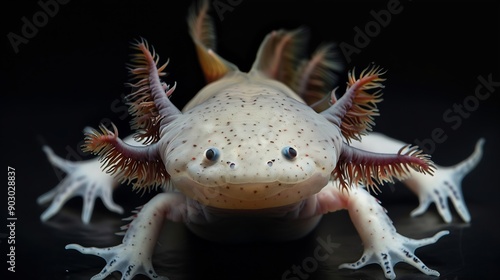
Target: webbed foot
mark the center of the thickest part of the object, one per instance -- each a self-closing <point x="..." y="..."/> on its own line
<point x="124" y="258"/>
<point x="396" y="248"/>
<point x="134" y="255"/>
<point x="85" y="179"/>
<point x="444" y="185"/>
<point x="383" y="245"/>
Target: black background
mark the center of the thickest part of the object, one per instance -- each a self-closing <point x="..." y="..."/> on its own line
<point x="71" y="74"/>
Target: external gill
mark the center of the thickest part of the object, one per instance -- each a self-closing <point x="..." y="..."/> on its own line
<point x="280" y="54"/>
<point x="355" y="115"/>
<point x="316" y="76"/>
<point x="281" y="57"/>
<point x="370" y="169"/>
<point x="127" y="162"/>
<point x="152" y="112"/>
<point x="145" y="116"/>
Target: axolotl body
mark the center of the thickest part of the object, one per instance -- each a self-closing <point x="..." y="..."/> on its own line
<point x="248" y="158"/>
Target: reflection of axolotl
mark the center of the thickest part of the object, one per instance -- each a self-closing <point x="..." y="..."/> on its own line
<point x="248" y="141"/>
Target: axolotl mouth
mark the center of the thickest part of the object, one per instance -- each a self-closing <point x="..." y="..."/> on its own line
<point x="251" y="195"/>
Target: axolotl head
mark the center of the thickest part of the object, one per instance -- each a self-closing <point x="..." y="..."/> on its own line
<point x="248" y="140"/>
<point x="250" y="143"/>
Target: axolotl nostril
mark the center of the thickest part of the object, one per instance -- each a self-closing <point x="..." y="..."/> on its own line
<point x="252" y="147"/>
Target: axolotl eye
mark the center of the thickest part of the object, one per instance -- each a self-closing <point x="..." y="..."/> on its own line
<point x="212" y="154"/>
<point x="289" y="152"/>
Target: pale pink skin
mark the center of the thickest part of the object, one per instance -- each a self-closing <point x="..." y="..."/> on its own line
<point x="133" y="256"/>
<point x="328" y="200"/>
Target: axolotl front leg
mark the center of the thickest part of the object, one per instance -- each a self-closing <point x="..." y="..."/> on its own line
<point x="445" y="184"/>
<point x="382" y="244"/>
<point x="134" y="255"/>
<point x="85" y="179"/>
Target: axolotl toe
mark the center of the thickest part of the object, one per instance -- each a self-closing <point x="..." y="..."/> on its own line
<point x="248" y="152"/>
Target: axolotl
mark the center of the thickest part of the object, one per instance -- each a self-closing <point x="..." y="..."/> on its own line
<point x="248" y="157"/>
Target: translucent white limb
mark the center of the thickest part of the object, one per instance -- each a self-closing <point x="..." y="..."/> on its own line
<point x="382" y="244"/>
<point x="445" y="184"/>
<point x="83" y="178"/>
<point x="133" y="256"/>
